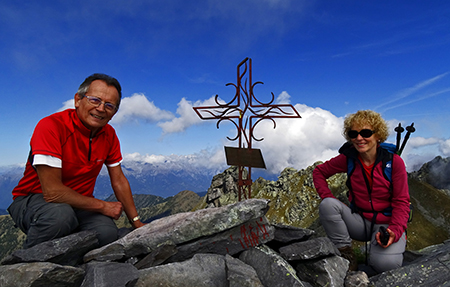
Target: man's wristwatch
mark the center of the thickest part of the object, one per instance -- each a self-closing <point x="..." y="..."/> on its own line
<point x="134" y="219"/>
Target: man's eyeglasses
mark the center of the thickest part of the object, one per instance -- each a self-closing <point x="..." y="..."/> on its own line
<point x="365" y="133"/>
<point x="97" y="102"/>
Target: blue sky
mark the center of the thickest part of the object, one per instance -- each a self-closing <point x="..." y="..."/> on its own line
<point x="327" y="58"/>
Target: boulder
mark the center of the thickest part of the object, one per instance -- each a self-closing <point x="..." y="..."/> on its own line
<point x="203" y="270"/>
<point x="329" y="271"/>
<point x="240" y="274"/>
<point x="310" y="249"/>
<point x="232" y="241"/>
<point x="271" y="268"/>
<point x="430" y="269"/>
<point x="356" y="279"/>
<point x="180" y="228"/>
<point x="108" y="274"/>
<point x="287" y="233"/>
<point x="40" y="274"/>
<point x="67" y="250"/>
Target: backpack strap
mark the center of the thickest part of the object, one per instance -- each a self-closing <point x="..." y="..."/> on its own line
<point x="385" y="155"/>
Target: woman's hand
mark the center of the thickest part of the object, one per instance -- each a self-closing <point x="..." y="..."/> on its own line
<point x="390" y="241"/>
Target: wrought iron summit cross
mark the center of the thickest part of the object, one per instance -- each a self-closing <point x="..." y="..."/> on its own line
<point x="245" y="105"/>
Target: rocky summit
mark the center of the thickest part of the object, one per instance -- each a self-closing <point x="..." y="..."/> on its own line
<point x="232" y="245"/>
<point x="272" y="239"/>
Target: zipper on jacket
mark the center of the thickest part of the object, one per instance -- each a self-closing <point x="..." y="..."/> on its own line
<point x="90" y="143"/>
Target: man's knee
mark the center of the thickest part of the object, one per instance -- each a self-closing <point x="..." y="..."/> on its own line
<point x="103" y="225"/>
<point x="106" y="234"/>
<point x="51" y="221"/>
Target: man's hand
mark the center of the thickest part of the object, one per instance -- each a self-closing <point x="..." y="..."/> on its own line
<point x="112" y="209"/>
<point x="390" y="241"/>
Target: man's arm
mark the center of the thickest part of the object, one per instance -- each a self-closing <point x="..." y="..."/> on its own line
<point x="55" y="191"/>
<point x="122" y="190"/>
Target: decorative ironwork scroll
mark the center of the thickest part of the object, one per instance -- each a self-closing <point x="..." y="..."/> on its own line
<point x="245" y="111"/>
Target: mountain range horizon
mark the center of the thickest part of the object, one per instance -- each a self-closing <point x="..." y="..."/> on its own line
<point x="159" y="179"/>
<point x="163" y="180"/>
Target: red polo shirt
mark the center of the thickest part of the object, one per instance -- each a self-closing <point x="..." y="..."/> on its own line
<point x="62" y="135"/>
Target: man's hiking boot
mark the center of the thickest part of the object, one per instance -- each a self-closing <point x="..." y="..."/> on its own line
<point x="347" y="253"/>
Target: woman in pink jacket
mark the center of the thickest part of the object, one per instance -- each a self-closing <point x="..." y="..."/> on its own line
<point x="376" y="200"/>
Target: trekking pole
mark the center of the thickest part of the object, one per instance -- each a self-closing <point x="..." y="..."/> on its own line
<point x="399" y="131"/>
<point x="410" y="130"/>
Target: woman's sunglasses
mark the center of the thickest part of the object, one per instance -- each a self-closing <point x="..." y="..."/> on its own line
<point x="365" y="133"/>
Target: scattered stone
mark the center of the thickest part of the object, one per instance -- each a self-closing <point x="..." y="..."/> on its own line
<point x="432" y="269"/>
<point x="40" y="274"/>
<point x="203" y="270"/>
<point x="232" y="241"/>
<point x="271" y="268"/>
<point x="67" y="250"/>
<point x="287" y="234"/>
<point x="329" y="271"/>
<point x="240" y="274"/>
<point x="109" y="274"/>
<point x="356" y="279"/>
<point x="180" y="228"/>
<point x="157" y="256"/>
<point x="310" y="249"/>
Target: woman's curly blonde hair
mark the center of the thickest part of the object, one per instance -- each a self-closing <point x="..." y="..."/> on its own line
<point x="369" y="118"/>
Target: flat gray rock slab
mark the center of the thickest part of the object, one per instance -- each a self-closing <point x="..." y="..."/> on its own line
<point x="203" y="270"/>
<point x="40" y="274"/>
<point x="180" y="228"/>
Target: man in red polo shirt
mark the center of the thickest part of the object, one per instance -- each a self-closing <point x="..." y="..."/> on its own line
<point x="68" y="149"/>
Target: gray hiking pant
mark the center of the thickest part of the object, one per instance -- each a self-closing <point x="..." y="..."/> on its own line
<point x="341" y="226"/>
<point x="43" y="221"/>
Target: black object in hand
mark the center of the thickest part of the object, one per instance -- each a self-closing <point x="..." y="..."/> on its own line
<point x="384" y="236"/>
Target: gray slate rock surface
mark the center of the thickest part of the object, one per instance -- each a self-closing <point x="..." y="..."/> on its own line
<point x="65" y="251"/>
<point x="432" y="268"/>
<point x="203" y="270"/>
<point x="40" y="274"/>
<point x="180" y="228"/>
<point x="240" y="274"/>
<point x="232" y="241"/>
<point x="109" y="274"/>
<point x="310" y="249"/>
<point x="271" y="268"/>
<point x="329" y="271"/>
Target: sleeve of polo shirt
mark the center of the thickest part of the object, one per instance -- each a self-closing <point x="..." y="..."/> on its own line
<point x="46" y="139"/>
<point x="40" y="159"/>
<point x="115" y="155"/>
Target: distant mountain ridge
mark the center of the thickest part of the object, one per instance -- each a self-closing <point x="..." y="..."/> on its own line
<point x="144" y="178"/>
<point x="435" y="173"/>
<point x="163" y="179"/>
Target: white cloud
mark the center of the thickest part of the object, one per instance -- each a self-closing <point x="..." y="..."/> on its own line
<point x="417" y="142"/>
<point x="131" y="109"/>
<point x="283" y="98"/>
<point x="300" y="142"/>
<point x="410" y="91"/>
<point x="139" y="107"/>
<point x="69" y="104"/>
<point x="297" y="142"/>
<point x="444" y="147"/>
<point x="188" y="117"/>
